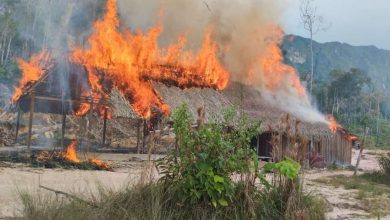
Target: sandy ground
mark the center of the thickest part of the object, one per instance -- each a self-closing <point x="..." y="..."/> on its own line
<point x="342" y="203"/>
<point x="129" y="167"/>
<point x="19" y="178"/>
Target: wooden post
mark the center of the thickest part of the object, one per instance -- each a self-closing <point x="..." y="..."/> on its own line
<point x="104" y="126"/>
<point x="30" y="121"/>
<point x="258" y="145"/>
<point x="63" y="130"/>
<point x="17" y="125"/>
<point x="361" y="151"/>
<point x="138" y="135"/>
<point x="144" y="135"/>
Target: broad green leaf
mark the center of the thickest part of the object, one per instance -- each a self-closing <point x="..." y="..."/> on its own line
<point x="218" y="179"/>
<point x="223" y="202"/>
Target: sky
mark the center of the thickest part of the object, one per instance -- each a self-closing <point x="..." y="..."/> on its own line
<point x="356" y="22"/>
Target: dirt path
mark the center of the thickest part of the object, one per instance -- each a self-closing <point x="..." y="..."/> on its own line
<point x="342" y="202"/>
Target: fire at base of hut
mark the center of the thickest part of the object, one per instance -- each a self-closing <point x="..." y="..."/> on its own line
<point x="69" y="159"/>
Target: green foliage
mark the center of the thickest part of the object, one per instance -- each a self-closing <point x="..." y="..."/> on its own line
<point x="288" y="168"/>
<point x="348" y="83"/>
<point x="349" y="96"/>
<point x="152" y="202"/>
<point x="197" y="182"/>
<point x="201" y="169"/>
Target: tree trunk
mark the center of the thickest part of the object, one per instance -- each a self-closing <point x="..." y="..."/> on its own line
<point x="312" y="62"/>
<point x="8" y="49"/>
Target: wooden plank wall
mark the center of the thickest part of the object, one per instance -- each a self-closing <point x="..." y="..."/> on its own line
<point x="336" y="149"/>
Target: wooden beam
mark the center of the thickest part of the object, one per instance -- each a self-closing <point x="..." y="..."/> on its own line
<point x="104" y="126"/>
<point x="81" y="100"/>
<point x="138" y="135"/>
<point x="17" y="124"/>
<point x="30" y="121"/>
<point x="258" y="145"/>
<point x="144" y="135"/>
<point x="63" y="130"/>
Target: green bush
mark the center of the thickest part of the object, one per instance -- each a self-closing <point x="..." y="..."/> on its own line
<point x="200" y="170"/>
<point x="213" y="174"/>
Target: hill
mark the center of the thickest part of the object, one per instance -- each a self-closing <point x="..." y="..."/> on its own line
<point x="336" y="55"/>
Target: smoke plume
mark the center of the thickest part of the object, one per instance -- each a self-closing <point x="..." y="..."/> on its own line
<point x="246" y="31"/>
<point x="248" y="36"/>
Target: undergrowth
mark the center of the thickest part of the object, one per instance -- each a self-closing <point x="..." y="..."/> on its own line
<point x="212" y="174"/>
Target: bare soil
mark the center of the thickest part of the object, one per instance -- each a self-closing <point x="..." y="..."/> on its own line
<point x="16" y="178"/>
<point x="342" y="203"/>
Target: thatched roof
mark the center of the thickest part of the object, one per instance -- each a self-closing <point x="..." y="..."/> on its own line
<point x="248" y="100"/>
<point x="245" y="98"/>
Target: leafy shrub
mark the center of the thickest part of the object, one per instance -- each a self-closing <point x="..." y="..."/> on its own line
<point x="212" y="175"/>
<point x="206" y="158"/>
<point x="384" y="163"/>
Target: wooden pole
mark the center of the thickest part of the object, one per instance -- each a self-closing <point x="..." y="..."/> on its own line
<point x="138" y="135"/>
<point x="63" y="130"/>
<point x="30" y="121"/>
<point x="258" y="146"/>
<point x="17" y="125"/>
<point x="361" y="151"/>
<point x="144" y="135"/>
<point x="104" y="126"/>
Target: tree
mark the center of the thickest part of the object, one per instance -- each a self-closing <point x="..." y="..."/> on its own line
<point x="313" y="23"/>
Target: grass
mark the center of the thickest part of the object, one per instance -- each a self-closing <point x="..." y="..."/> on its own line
<point x="151" y="201"/>
<point x="373" y="190"/>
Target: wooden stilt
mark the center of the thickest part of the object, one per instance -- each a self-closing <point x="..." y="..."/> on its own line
<point x="144" y="136"/>
<point x="30" y="121"/>
<point x="17" y="125"/>
<point x="258" y="145"/>
<point x="138" y="135"/>
<point x="63" y="130"/>
<point x="104" y="126"/>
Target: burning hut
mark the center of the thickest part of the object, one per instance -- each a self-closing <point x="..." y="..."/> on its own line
<point x="127" y="74"/>
<point x="322" y="144"/>
<point x="51" y="94"/>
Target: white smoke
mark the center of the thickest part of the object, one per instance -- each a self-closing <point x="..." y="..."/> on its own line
<point x="243" y="30"/>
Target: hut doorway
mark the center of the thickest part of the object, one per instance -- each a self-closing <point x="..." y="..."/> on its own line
<point x="262" y="144"/>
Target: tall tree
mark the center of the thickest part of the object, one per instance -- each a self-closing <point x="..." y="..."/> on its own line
<point x="312" y="22"/>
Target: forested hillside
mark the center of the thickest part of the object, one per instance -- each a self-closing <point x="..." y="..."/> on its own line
<point x="350" y="82"/>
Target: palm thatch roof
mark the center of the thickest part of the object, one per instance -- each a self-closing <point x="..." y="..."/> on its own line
<point x="245" y="98"/>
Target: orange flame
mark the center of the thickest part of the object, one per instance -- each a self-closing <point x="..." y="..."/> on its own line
<point x="100" y="163"/>
<point x="83" y="109"/>
<point x="333" y="124"/>
<point x="274" y="73"/>
<point x="71" y="153"/>
<point x="130" y="61"/>
<point x="31" y="72"/>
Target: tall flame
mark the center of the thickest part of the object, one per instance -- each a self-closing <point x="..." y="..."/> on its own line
<point x="31" y="70"/>
<point x="333" y="124"/>
<point x="270" y="71"/>
<point x="130" y="61"/>
<point x="276" y="72"/>
<point x="71" y="153"/>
